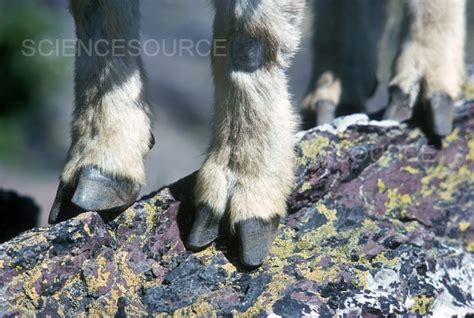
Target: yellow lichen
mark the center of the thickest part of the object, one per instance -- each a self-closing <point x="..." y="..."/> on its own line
<point x="381" y="186"/>
<point x="76" y="236"/>
<point x="33" y="240"/>
<point x="273" y="292"/>
<point x="282" y="248"/>
<point x="199" y="309"/>
<point x="470" y="154"/>
<point x="129" y="216"/>
<point x="448" y="175"/>
<point x="305" y="187"/>
<point x="229" y="268"/>
<point x="310" y="242"/>
<point x="470" y="246"/>
<point x="319" y="275"/>
<point x="463" y="226"/>
<point x="30" y="278"/>
<point x="331" y="215"/>
<point x="312" y="239"/>
<point x="405" y="199"/>
<point x="102" y="278"/>
<point x="207" y="254"/>
<point x="453" y="182"/>
<point x="280" y="281"/>
<point x="398" y="201"/>
<point x="87" y="229"/>
<point x="97" y="309"/>
<point x="381" y="258"/>
<point x="362" y="277"/>
<point x="410" y="170"/>
<point x="385" y="160"/>
<point x="132" y="280"/>
<point x="150" y="217"/>
<point x="370" y="225"/>
<point x="422" y="305"/>
<point x="312" y="148"/>
<point x="411" y="226"/>
<point x="453" y="136"/>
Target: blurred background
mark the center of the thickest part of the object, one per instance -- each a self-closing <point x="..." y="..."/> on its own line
<point x="36" y="92"/>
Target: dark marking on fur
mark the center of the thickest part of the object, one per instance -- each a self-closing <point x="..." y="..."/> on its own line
<point x="247" y="54"/>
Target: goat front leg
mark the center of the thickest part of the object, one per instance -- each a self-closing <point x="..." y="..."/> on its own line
<point x="111" y="129"/>
<point x="248" y="173"/>
<point x="430" y="66"/>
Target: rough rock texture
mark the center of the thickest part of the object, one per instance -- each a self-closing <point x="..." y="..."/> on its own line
<point x="380" y="223"/>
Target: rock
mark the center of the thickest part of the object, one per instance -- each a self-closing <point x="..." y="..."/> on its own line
<point x="18" y="214"/>
<point x="380" y="223"/>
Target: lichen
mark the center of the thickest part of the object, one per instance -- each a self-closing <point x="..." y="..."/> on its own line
<point x="381" y="186"/>
<point x="410" y="170"/>
<point x="470" y="154"/>
<point x="398" y="202"/>
<point x="464" y="226"/>
<point x="422" y="304"/>
<point x="453" y="136"/>
<point x="201" y="308"/>
<point x="101" y="276"/>
<point x="469" y="246"/>
<point x="312" y="148"/>
<point x="338" y="253"/>
<point x="454" y="181"/>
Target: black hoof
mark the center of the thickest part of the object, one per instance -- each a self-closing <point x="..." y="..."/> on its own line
<point x="62" y="208"/>
<point x="440" y="113"/>
<point x="99" y="192"/>
<point x="325" y="112"/>
<point x="205" y="229"/>
<point x="255" y="239"/>
<point x="94" y="191"/>
<point x="399" y="106"/>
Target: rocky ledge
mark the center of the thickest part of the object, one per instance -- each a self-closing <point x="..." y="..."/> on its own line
<point x="380" y="223"/>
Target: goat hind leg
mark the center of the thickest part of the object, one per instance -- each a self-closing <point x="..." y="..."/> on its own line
<point x="430" y="64"/>
<point x="345" y="48"/>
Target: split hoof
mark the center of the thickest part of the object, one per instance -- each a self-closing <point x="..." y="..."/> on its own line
<point x="399" y="106"/>
<point x="255" y="240"/>
<point x="205" y="229"/>
<point x="440" y="113"/>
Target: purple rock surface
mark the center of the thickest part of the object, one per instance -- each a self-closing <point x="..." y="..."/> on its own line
<point x="381" y="222"/>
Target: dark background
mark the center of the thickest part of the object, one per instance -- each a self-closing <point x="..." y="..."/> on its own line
<point x="36" y="94"/>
